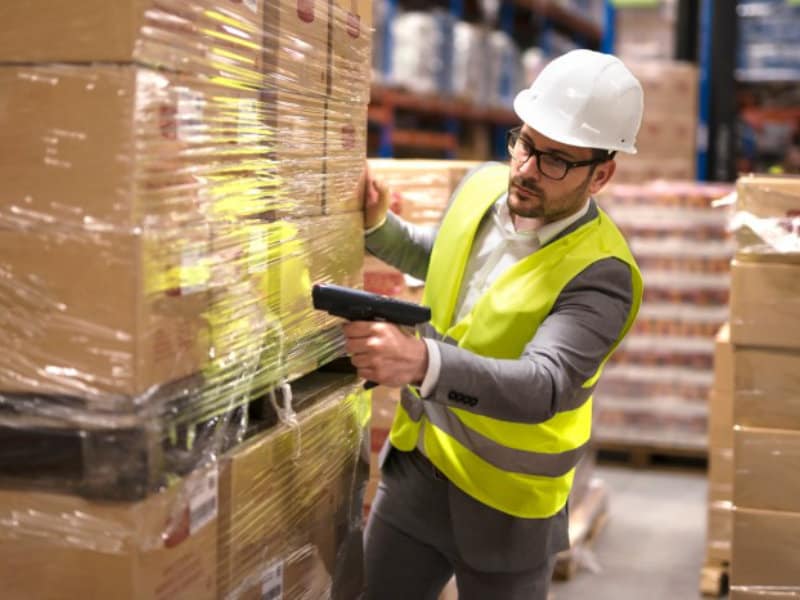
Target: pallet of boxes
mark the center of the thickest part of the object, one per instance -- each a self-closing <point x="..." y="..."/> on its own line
<point x="765" y="338"/>
<point x="182" y="172"/>
<point x="420" y="193"/>
<point x="652" y="401"/>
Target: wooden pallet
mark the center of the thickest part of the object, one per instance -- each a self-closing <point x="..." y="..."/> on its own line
<point x="586" y="521"/>
<point x="644" y="455"/>
<point x="714" y="579"/>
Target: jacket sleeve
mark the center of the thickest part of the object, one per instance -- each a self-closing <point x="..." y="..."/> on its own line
<point x="405" y="246"/>
<point x="566" y="350"/>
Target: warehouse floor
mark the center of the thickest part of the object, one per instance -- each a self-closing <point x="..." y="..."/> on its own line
<point x="653" y="543"/>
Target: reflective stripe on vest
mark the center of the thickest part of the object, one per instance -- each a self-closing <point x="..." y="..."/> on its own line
<point x="522" y="469"/>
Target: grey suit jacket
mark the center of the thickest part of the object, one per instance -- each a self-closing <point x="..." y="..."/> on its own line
<point x="546" y="379"/>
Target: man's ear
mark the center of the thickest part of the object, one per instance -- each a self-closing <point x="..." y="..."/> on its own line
<point x="602" y="175"/>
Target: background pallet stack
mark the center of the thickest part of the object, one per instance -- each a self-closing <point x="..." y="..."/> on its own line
<point x="654" y="392"/>
<point x="183" y="172"/>
<point x="667" y="137"/>
<point x="766" y="362"/>
<point x="645" y="40"/>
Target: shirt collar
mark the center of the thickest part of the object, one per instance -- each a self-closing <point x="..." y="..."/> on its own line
<point x="545" y="233"/>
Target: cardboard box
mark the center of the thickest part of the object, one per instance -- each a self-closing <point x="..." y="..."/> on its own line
<point x="661" y="136"/>
<point x="669" y="87"/>
<point x="720" y="531"/>
<point x="768" y="195"/>
<point x="720" y="474"/>
<point x="723" y="360"/>
<point x="103" y="316"/>
<point x="636" y="169"/>
<point x="58" y="547"/>
<point x="646" y="32"/>
<point x="285" y="493"/>
<point x="767" y="383"/>
<point x="169" y="34"/>
<point x="295" y="102"/>
<point x="764" y="551"/>
<point x="763" y="593"/>
<point x="121" y="146"/>
<point x="766" y="465"/>
<point x="346" y="110"/>
<point x="720" y="419"/>
<point x="765" y="303"/>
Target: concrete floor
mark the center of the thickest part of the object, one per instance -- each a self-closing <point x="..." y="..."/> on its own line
<point x="652" y="544"/>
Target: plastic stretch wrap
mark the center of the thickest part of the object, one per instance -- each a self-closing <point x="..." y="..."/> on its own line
<point x="654" y="390"/>
<point x="182" y="173"/>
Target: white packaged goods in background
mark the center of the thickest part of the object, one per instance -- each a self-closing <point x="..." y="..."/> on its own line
<point x="422" y="51"/>
<point x="655" y="389"/>
<point x="184" y="171"/>
<point x="505" y="72"/>
<point x="471" y="62"/>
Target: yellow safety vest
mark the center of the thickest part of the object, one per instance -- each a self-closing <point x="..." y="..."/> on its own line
<point x="522" y="469"/>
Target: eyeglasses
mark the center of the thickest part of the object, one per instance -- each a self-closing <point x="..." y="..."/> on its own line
<point x="549" y="165"/>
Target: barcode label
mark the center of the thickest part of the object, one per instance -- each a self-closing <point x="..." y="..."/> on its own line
<point x="203" y="501"/>
<point x="272" y="586"/>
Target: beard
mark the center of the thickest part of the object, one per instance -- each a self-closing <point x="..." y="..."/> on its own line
<point x="527" y="199"/>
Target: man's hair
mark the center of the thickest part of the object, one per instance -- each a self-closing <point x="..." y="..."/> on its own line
<point x="598" y="153"/>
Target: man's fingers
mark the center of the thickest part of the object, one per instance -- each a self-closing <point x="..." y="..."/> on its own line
<point x="361" y="360"/>
<point x="359" y="329"/>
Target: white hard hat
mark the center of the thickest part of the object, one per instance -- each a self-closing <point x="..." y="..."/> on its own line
<point x="587" y="99"/>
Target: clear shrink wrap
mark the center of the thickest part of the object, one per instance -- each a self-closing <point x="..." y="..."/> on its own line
<point x="182" y="173"/>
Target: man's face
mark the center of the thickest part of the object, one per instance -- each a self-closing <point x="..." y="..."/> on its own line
<point x="533" y="195"/>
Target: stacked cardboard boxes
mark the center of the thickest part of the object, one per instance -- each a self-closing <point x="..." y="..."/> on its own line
<point x="766" y="362"/>
<point x="668" y="135"/>
<point x="183" y="172"/>
<point x="654" y="390"/>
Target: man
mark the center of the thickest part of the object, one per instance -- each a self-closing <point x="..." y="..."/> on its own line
<point x="531" y="288"/>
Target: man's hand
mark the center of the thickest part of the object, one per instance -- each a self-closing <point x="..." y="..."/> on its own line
<point x="376" y="200"/>
<point x="385" y="354"/>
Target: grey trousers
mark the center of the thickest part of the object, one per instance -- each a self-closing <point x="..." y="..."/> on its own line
<point x="410" y="549"/>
